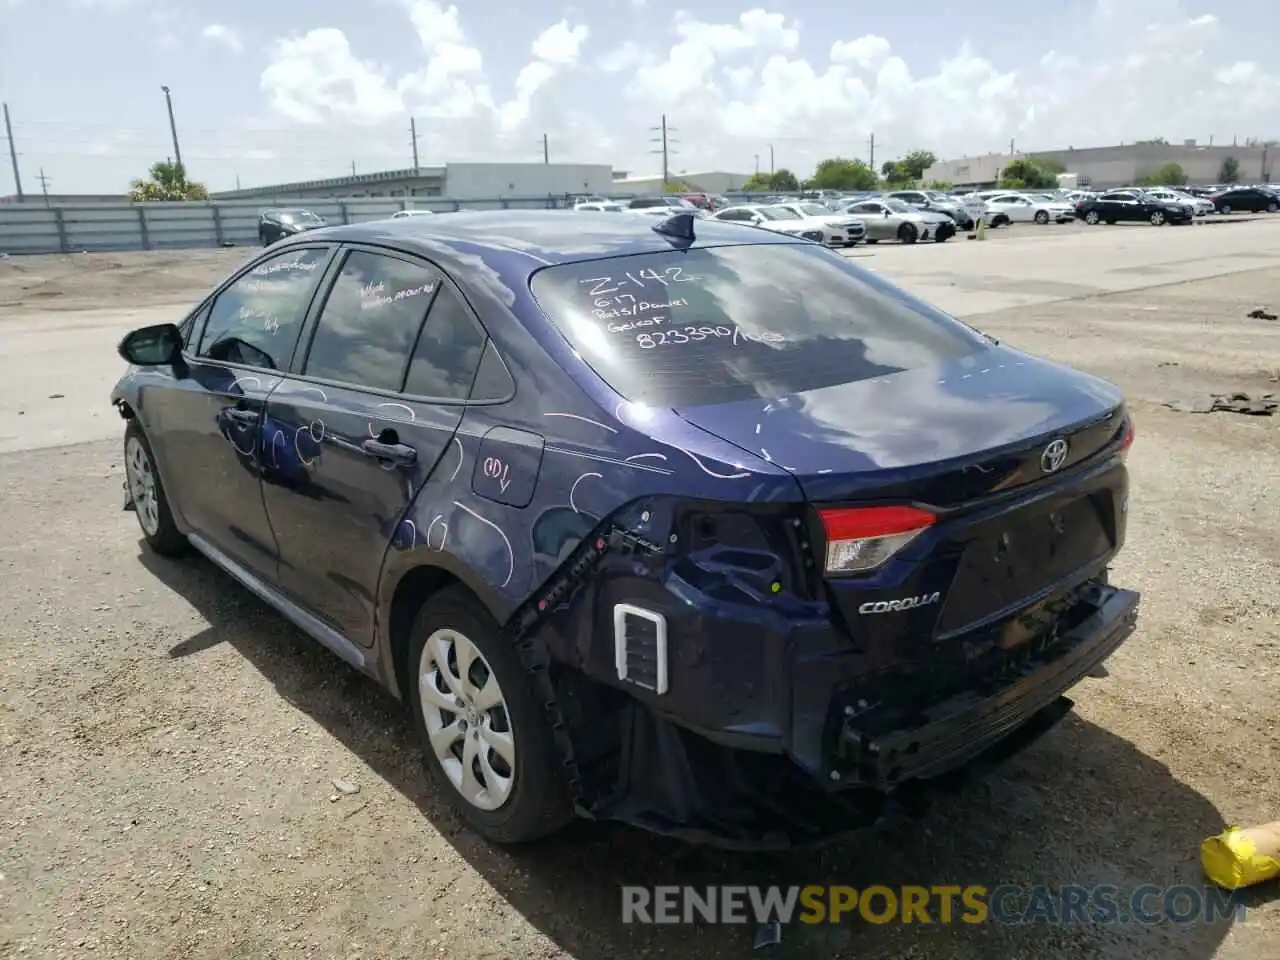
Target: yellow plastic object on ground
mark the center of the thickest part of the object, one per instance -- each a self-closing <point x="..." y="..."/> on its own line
<point x="1242" y="856"/>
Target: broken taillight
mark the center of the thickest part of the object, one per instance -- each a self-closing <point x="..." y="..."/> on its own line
<point x="860" y="539"/>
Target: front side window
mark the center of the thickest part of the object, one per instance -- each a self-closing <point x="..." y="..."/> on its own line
<point x="256" y="320"/>
<point x="714" y="325"/>
<point x="370" y="321"/>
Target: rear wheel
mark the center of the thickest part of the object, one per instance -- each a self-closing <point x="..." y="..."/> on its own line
<point x="484" y="733"/>
<point x="1225" y="208"/>
<point x="1091" y="218"/>
<point x="146" y="492"/>
<point x="1273" y="207"/>
<point x="1042" y="216"/>
<point x="1157" y="218"/>
<point x="907" y="233"/>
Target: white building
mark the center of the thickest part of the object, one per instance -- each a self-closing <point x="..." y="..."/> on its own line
<point x="713" y="182"/>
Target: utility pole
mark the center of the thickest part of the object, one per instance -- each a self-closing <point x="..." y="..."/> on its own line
<point x="413" y="138"/>
<point x="1012" y="148"/>
<point x="44" y="186"/>
<point x="546" y="149"/>
<point x="871" y="149"/>
<point x="13" y="153"/>
<point x="173" y="129"/>
<point x="771" y="159"/>
<point x="666" y="140"/>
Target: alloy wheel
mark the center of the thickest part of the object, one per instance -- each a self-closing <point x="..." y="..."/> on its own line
<point x="1157" y="219"/>
<point x="141" y="475"/>
<point x="467" y="719"/>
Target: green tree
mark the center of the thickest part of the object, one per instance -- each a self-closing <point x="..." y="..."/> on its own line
<point x="168" y="182"/>
<point x="1229" y="172"/>
<point x="1026" y="173"/>
<point x="1167" y="175"/>
<point x="757" y="183"/>
<point x="784" y="181"/>
<point x="837" y="173"/>
<point x="943" y="185"/>
<point x="894" y="173"/>
<point x="1053" y="166"/>
<point x="915" y="163"/>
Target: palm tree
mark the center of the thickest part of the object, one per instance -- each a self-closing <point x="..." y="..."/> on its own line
<point x="168" y="182"/>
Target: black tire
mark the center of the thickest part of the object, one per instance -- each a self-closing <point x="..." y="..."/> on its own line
<point x="907" y="233"/>
<point x="1111" y="223"/>
<point x="158" y="528"/>
<point x="1273" y="207"/>
<point x="871" y="241"/>
<point x="941" y="236"/>
<point x="1000" y="220"/>
<point x="1042" y="216"/>
<point x="1092" y="218"/>
<point x="539" y="802"/>
<point x="1225" y="208"/>
<point x="1157" y="218"/>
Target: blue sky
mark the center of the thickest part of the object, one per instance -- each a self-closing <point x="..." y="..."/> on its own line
<point x="273" y="91"/>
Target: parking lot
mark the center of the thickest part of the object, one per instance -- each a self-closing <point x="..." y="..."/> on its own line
<point x="169" y="746"/>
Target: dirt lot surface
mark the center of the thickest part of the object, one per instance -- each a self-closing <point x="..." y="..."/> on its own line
<point x="168" y="745"/>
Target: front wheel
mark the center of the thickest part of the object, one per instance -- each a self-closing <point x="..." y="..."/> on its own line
<point x="485" y="735"/>
<point x="146" y="494"/>
<point x="1225" y="208"/>
<point x="1273" y="207"/>
<point x="1157" y="218"/>
<point x="907" y="233"/>
<point x="1042" y="216"/>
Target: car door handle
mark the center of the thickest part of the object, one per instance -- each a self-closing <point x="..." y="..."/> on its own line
<point x="242" y="416"/>
<point x="400" y="453"/>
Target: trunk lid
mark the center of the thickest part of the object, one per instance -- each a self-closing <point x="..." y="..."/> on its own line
<point x="941" y="434"/>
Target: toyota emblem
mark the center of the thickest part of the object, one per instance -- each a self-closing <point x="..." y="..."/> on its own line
<point x="1054" y="456"/>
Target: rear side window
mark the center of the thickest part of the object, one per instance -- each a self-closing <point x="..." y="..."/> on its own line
<point x="257" y="319"/>
<point x="713" y="325"/>
<point x="370" y="321"/>
<point x="448" y="352"/>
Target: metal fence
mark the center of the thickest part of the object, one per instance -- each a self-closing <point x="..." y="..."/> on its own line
<point x="72" y="228"/>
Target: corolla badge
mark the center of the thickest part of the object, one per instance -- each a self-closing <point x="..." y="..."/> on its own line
<point x="1054" y="456"/>
<point x="897" y="606"/>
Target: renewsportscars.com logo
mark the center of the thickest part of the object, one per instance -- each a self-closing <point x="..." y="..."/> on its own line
<point x="941" y="903"/>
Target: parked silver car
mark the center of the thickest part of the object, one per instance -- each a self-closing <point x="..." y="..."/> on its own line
<point x="893" y="220"/>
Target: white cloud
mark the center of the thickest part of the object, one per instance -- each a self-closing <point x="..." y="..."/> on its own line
<point x="554" y="51"/>
<point x="1132" y="69"/>
<point x="224" y="35"/>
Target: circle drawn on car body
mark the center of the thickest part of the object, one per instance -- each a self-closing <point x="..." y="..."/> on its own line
<point x="467" y="719"/>
<point x="142" y="486"/>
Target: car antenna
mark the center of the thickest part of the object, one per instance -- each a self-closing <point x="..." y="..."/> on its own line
<point x="678" y="227"/>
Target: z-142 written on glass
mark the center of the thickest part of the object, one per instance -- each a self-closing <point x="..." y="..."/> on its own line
<point x="612" y="297"/>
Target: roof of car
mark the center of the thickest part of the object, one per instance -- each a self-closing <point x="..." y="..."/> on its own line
<point x="538" y="237"/>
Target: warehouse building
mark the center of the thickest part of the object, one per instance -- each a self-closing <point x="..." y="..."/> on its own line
<point x="1103" y="167"/>
<point x="452" y="181"/>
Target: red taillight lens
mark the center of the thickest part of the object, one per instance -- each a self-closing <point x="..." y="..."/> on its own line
<point x="863" y="538"/>
<point x="1129" y="436"/>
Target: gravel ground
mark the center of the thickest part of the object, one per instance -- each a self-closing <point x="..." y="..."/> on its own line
<point x="169" y="746"/>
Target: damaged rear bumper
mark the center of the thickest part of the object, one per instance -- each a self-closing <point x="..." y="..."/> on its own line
<point x="876" y="757"/>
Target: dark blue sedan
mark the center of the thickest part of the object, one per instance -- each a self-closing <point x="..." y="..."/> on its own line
<point x="672" y="521"/>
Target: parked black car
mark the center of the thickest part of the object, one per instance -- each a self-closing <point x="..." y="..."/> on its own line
<point x="275" y="225"/>
<point x="1251" y="199"/>
<point x="1129" y="207"/>
<point x="678" y="522"/>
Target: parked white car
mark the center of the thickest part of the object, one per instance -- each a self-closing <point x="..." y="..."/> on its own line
<point x="770" y="217"/>
<point x="853" y="229"/>
<point x="1200" y="207"/>
<point x="1020" y="208"/>
<point x="600" y="206"/>
<point x="403" y="214"/>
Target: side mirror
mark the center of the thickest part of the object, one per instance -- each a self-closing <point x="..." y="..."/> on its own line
<point x="153" y="346"/>
<point x="886" y="213"/>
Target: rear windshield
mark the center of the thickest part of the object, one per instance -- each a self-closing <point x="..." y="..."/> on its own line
<point x="714" y="325"/>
